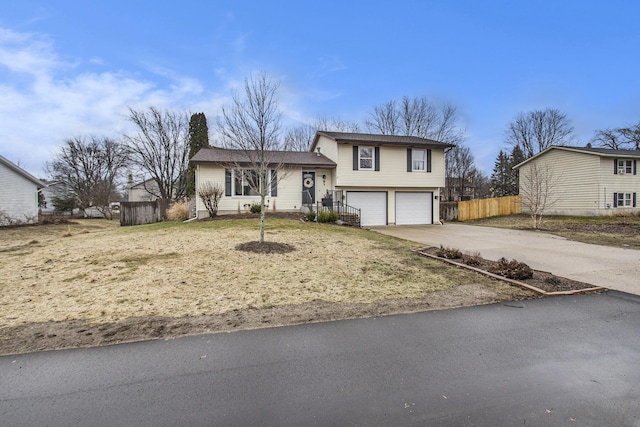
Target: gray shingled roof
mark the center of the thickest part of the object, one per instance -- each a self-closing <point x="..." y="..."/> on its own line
<point x="240" y="157"/>
<point x="605" y="152"/>
<point x="350" y="138"/>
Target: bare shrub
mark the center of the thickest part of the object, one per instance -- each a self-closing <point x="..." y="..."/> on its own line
<point x="210" y="193"/>
<point x="511" y="269"/>
<point x="448" y="253"/>
<point x="179" y="211"/>
<point x="473" y="259"/>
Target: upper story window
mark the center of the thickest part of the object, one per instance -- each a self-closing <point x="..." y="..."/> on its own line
<point x="366" y="158"/>
<point x="419" y="160"/>
<point x="625" y="167"/>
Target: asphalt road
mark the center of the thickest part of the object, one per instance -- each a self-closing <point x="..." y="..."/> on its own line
<point x="564" y="361"/>
<point x="613" y="268"/>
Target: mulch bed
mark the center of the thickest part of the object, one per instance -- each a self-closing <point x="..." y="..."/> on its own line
<point x="542" y="280"/>
<point x="266" y="247"/>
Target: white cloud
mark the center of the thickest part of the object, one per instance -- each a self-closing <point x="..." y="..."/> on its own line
<point x="46" y="100"/>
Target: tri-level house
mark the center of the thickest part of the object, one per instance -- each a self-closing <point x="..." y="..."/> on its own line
<point x="587" y="181"/>
<point x="387" y="179"/>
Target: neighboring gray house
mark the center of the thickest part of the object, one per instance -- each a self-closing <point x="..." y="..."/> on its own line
<point x="18" y="194"/>
<point x="143" y="191"/>
<point x="587" y="181"/>
<point x="50" y="191"/>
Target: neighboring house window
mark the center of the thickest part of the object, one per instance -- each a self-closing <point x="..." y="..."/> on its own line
<point x="239" y="182"/>
<point x="419" y="160"/>
<point x="624" y="200"/>
<point x="366" y="158"/>
<point x="625" y="166"/>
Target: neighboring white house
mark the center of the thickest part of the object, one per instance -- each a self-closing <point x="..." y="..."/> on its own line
<point x="587" y="181"/>
<point x="18" y="194"/>
<point x="391" y="179"/>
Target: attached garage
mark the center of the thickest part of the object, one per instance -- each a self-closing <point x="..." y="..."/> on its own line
<point x="373" y="206"/>
<point x="414" y="208"/>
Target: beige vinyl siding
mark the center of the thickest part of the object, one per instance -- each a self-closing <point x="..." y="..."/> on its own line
<point x="328" y="147"/>
<point x="615" y="183"/>
<point x="586" y="182"/>
<point x="576" y="181"/>
<point x="288" y="199"/>
<point x="322" y="185"/>
<point x="393" y="170"/>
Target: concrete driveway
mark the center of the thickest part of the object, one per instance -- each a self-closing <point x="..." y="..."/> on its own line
<point x="613" y="268"/>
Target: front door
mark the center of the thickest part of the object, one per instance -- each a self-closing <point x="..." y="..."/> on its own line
<point x="308" y="188"/>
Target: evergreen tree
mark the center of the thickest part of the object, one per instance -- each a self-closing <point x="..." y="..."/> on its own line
<point x="198" y="138"/>
<point x="502" y="177"/>
<point x="517" y="157"/>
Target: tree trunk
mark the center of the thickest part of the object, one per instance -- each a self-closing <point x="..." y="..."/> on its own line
<point x="262" y="218"/>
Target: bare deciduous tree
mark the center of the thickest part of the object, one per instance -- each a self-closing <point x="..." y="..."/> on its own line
<point x="620" y="138"/>
<point x="607" y="138"/>
<point x="416" y="117"/>
<point x="210" y="193"/>
<point x="90" y="167"/>
<point x="299" y="138"/>
<point x="335" y="124"/>
<point x="160" y="149"/>
<point x="251" y="124"/>
<point x="459" y="167"/>
<point x="538" y="130"/>
<point x="537" y="191"/>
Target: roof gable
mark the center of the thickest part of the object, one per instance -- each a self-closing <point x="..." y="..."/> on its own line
<point x="18" y="170"/>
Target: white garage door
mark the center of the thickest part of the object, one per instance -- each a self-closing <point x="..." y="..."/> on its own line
<point x="373" y="205"/>
<point x="414" y="208"/>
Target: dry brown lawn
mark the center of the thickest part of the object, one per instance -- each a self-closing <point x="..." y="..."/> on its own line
<point x="621" y="231"/>
<point x="102" y="273"/>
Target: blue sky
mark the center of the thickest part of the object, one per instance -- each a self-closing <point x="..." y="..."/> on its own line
<point x="72" y="68"/>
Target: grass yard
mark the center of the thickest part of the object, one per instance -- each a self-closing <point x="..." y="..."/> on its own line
<point x="615" y="231"/>
<point x="97" y="272"/>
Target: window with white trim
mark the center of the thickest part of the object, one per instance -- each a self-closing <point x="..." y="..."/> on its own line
<point x="245" y="181"/>
<point x="624" y="200"/>
<point x="419" y="160"/>
<point x="366" y="158"/>
<point x="625" y="167"/>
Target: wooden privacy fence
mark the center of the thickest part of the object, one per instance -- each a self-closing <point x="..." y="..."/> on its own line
<point x="484" y="208"/>
<point x="137" y="213"/>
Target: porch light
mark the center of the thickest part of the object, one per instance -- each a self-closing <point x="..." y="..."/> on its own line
<point x="318" y="150"/>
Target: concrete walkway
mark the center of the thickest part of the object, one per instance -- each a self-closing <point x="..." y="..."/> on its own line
<point x="613" y="268"/>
